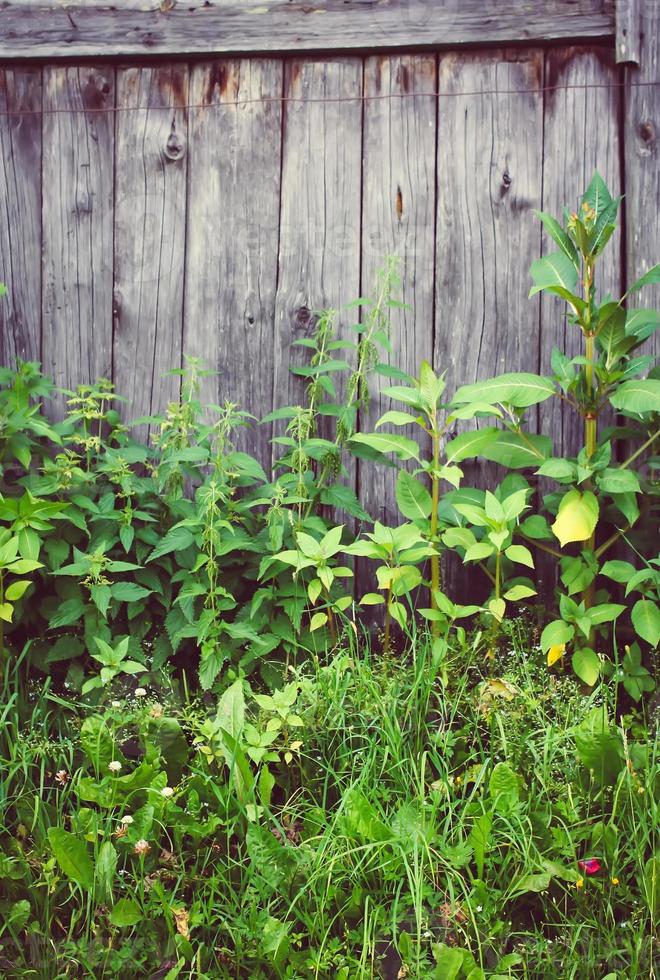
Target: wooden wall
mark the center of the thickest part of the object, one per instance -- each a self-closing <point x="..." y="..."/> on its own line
<point x="152" y="210"/>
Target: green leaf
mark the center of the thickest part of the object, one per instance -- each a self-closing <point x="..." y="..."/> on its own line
<point x="518" y="592"/>
<point x="413" y="499"/>
<point x="177" y="539"/>
<point x="641" y="323"/>
<point x="638" y="396"/>
<point x="597" y="195"/>
<point x="68" y="612"/>
<point x="395" y="418"/>
<point x="598" y="748"/>
<point x="479" y="551"/>
<point x="652" y="277"/>
<point x="402" y="447"/>
<point x="651" y="883"/>
<point x="126" y="913"/>
<point x="14" y="591"/>
<point x="129" y="592"/>
<point x="560" y="237"/>
<point x="106" y="865"/>
<point x="576" y="518"/>
<point x="518" y="453"/>
<point x="618" y="481"/>
<point x="449" y="961"/>
<point x="555" y="270"/>
<point x="618" y="571"/>
<point x="470" y="444"/>
<point x="503" y="787"/>
<point x="71" y="854"/>
<point x="520" y="554"/>
<point x="586" y="665"/>
<point x="340" y="496"/>
<point x="518" y="390"/>
<point x="562" y="470"/>
<point x="555" y="634"/>
<point x="645" y="617"/>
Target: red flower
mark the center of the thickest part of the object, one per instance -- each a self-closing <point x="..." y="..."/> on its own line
<point x="591" y="866"/>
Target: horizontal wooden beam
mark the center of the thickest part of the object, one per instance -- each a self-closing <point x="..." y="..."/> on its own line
<point x="90" y="28"/>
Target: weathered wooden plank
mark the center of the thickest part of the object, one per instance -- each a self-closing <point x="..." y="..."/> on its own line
<point x="580" y="136"/>
<point x="628" y="31"/>
<point x="319" y="251"/>
<point x="150" y="234"/>
<point x="20" y="214"/>
<point x="77" y="214"/>
<point x="233" y="212"/>
<point x="641" y="137"/>
<point x="96" y="27"/>
<point x="489" y="180"/>
<point x="398" y="218"/>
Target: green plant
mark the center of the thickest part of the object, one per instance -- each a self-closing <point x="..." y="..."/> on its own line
<point x="114" y="662"/>
<point x="596" y="487"/>
<point x="421" y="396"/>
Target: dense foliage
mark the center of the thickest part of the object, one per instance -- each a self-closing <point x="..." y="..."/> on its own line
<point x="215" y="764"/>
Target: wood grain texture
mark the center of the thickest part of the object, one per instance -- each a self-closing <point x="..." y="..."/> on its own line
<point x="150" y="233"/>
<point x="641" y="136"/>
<point x="398" y="218"/>
<point x="78" y="155"/>
<point x="581" y="136"/>
<point x="489" y="180"/>
<point x="20" y="214"/>
<point x="137" y="27"/>
<point x="628" y="23"/>
<point x="233" y="212"/>
<point x="319" y="249"/>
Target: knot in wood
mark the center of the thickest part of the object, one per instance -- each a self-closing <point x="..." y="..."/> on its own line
<point x="646" y="137"/>
<point x="506" y="179"/>
<point x="303" y="317"/>
<point x="174" y="146"/>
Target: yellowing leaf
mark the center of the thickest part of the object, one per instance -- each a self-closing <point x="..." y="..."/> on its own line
<point x="181" y="920"/>
<point x="555" y="653"/>
<point x="576" y="518"/>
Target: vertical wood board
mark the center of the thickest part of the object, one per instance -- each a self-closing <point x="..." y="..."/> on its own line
<point x="319" y="245"/>
<point x="233" y="212"/>
<point x="641" y="137"/>
<point x="398" y="218"/>
<point x="489" y="182"/>
<point x="20" y="214"/>
<point x="149" y="234"/>
<point x="78" y="157"/>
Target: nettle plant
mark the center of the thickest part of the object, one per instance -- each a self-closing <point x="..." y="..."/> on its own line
<point x="598" y="500"/>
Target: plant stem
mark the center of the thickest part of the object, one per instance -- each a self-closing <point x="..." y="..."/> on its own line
<point x="638" y="452"/>
<point x="388" y="621"/>
<point x="547" y="549"/>
<point x="590" y="414"/>
<point x="435" y="496"/>
<point x="498" y="574"/>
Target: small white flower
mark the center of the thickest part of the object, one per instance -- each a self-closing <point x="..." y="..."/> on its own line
<point x="128" y="819"/>
<point x="140" y="692"/>
<point x="142" y="847"/>
<point x="167" y="791"/>
<point x="479" y="908"/>
<point x="115" y="704"/>
<point x="114" y="766"/>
